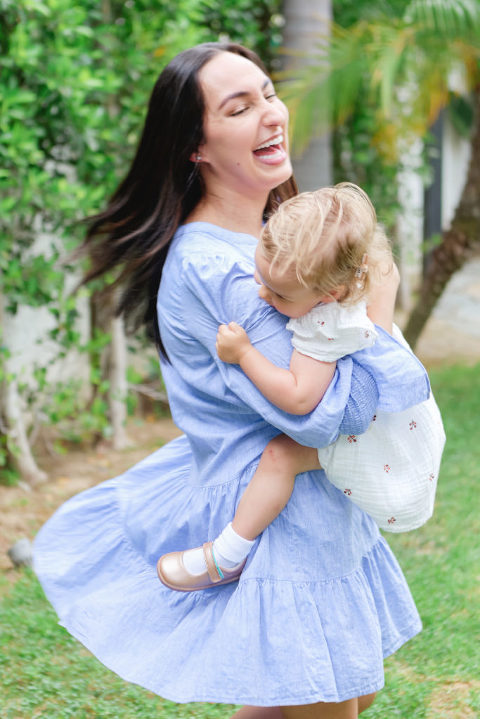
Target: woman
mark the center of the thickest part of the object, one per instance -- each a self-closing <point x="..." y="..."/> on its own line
<point x="321" y="600"/>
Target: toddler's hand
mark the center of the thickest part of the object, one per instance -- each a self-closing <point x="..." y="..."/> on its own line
<point x="232" y="343"/>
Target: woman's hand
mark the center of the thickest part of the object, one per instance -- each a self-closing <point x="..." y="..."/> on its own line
<point x="232" y="343"/>
<point x="382" y="295"/>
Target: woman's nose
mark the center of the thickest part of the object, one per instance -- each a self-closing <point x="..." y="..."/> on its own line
<point x="275" y="113"/>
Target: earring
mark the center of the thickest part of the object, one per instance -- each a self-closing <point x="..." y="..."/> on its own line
<point x="198" y="157"/>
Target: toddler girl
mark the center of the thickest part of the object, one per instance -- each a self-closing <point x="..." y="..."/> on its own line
<point x="314" y="264"/>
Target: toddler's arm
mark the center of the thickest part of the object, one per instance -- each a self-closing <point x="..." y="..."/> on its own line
<point x="296" y="390"/>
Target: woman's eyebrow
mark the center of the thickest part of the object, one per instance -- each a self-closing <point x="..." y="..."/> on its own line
<point x="241" y="93"/>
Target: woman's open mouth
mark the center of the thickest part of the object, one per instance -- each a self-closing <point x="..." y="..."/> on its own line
<point x="272" y="151"/>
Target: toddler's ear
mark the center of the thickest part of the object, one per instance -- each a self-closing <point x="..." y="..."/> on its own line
<point x="338" y="293"/>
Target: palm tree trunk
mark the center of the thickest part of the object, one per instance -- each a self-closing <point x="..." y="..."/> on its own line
<point x="305" y="22"/>
<point x="458" y="243"/>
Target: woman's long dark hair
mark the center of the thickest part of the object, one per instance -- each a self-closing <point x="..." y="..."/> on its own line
<point x="131" y="236"/>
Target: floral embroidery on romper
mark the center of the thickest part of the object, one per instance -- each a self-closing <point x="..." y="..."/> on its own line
<point x="386" y="467"/>
<point x="352" y="438"/>
<point x="412" y="424"/>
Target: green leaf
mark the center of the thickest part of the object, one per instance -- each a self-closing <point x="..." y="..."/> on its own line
<point x="461" y="114"/>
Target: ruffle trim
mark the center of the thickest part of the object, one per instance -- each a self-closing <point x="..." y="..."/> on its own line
<point x="260" y="641"/>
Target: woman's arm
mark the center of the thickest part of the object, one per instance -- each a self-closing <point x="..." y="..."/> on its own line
<point x="203" y="287"/>
<point x="208" y="281"/>
<point x="297" y="390"/>
<point x="381" y="304"/>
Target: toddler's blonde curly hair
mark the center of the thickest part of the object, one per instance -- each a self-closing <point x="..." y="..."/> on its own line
<point x="331" y="239"/>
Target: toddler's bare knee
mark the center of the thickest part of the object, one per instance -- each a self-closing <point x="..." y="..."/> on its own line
<point x="281" y="451"/>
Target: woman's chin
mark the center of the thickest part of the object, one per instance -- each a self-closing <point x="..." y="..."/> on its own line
<point x="278" y="173"/>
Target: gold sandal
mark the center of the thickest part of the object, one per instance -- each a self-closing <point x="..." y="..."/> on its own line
<point x="173" y="574"/>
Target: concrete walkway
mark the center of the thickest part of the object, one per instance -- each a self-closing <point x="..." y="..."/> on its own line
<point x="452" y="333"/>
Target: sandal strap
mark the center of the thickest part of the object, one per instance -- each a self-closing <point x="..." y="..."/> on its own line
<point x="212" y="567"/>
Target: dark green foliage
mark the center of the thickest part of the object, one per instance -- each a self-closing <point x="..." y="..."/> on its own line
<point x="356" y="156"/>
<point x="250" y="23"/>
<point x="461" y="113"/>
<point x="384" y="79"/>
<point x="74" y="86"/>
<point x="348" y="12"/>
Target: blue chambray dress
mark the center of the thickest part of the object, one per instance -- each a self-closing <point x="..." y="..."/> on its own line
<point x="322" y="599"/>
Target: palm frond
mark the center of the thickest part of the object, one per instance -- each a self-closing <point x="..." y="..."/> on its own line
<point x="387" y="55"/>
<point x="324" y="91"/>
<point x="446" y="18"/>
<point x="402" y="66"/>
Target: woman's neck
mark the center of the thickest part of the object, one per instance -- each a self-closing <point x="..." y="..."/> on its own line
<point x="237" y="214"/>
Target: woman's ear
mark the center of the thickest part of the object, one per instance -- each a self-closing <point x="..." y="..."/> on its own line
<point x="195" y="156"/>
<point x="199" y="155"/>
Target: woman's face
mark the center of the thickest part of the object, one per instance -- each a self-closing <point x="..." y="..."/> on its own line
<point x="245" y="128"/>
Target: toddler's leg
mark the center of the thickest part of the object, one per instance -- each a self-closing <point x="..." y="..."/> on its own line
<point x="272" y="484"/>
<point x="266" y="495"/>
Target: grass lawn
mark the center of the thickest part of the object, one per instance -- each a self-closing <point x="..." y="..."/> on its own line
<point x="45" y="673"/>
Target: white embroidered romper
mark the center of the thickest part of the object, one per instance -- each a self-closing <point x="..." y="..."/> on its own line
<point x="391" y="470"/>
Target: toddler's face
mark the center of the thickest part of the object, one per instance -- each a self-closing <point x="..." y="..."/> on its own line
<point x="283" y="291"/>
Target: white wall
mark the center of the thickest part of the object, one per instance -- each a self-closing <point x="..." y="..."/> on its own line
<point x="26" y="334"/>
<point x="409" y="225"/>
<point x="455" y="159"/>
